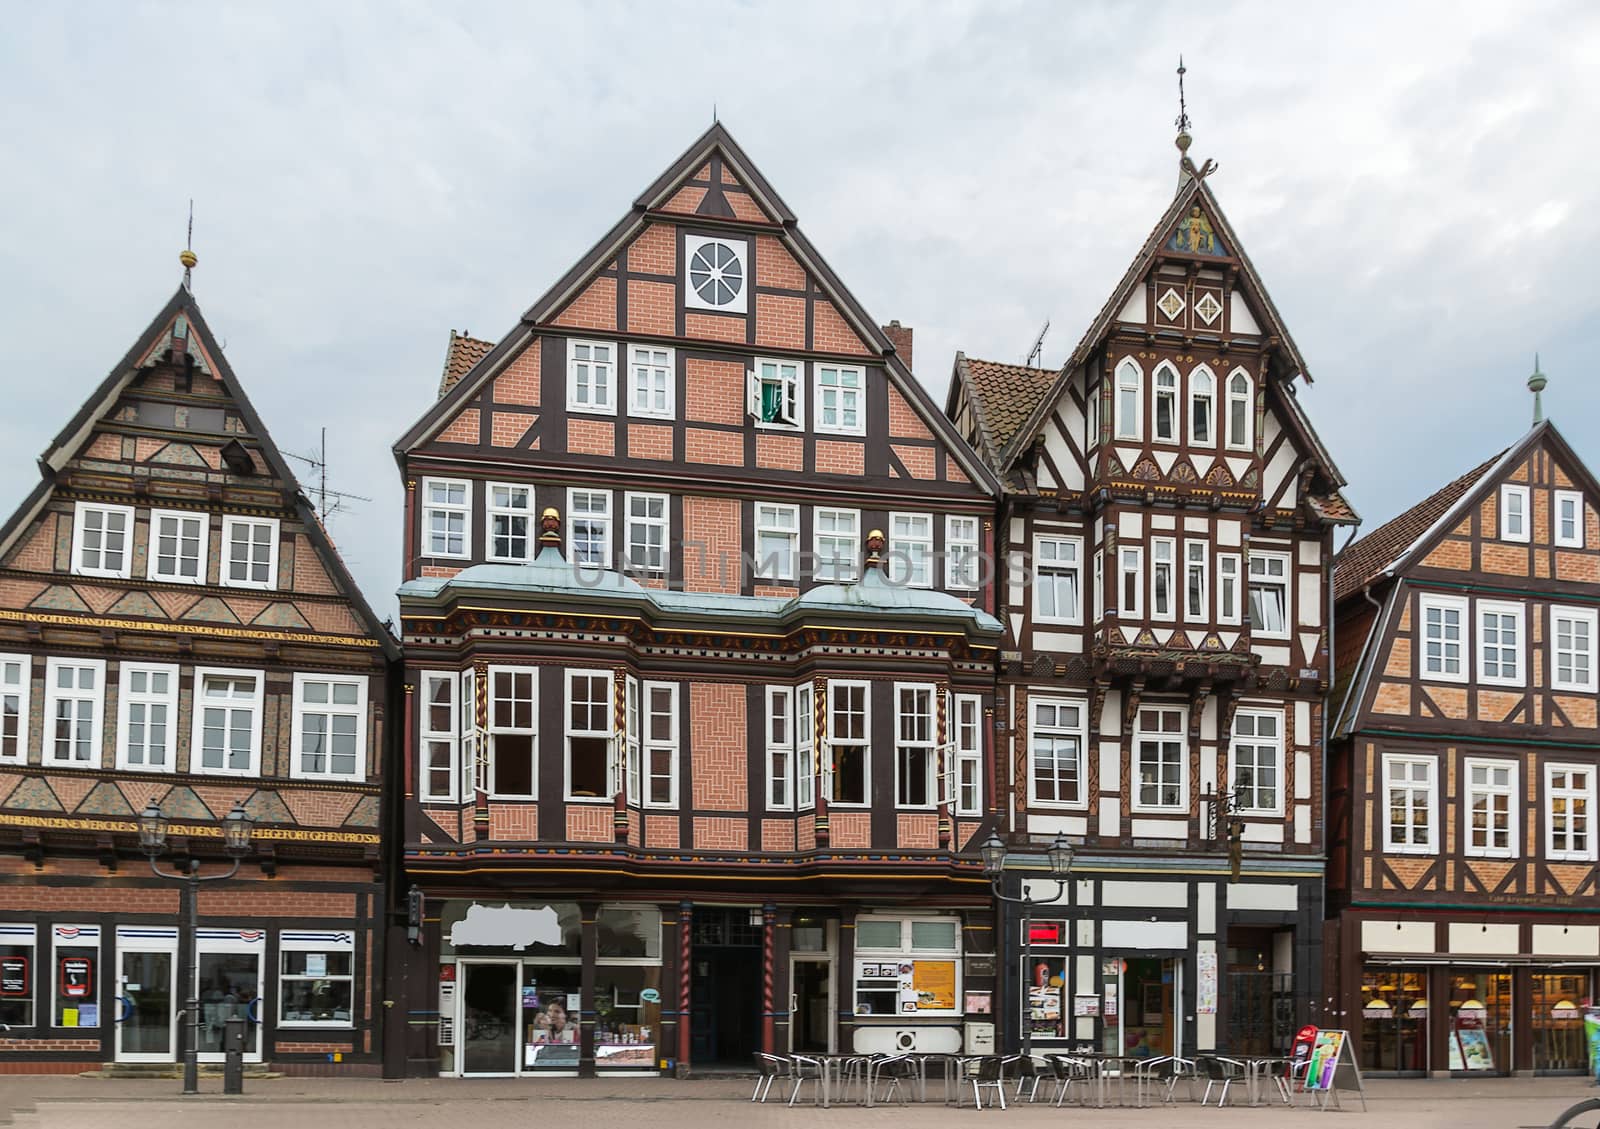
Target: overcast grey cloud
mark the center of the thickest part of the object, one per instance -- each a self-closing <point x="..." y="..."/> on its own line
<point x="1415" y="183"/>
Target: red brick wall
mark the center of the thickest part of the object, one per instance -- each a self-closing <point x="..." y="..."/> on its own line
<point x="720" y="760"/>
<point x="654" y="252"/>
<point x="591" y="437"/>
<point x="724" y="448"/>
<point x="589" y="823"/>
<point x="805" y="833"/>
<point x="904" y="423"/>
<point x="89" y="899"/>
<point x="744" y="207"/>
<point x="850" y="828"/>
<point x="711" y="547"/>
<point x="714" y="391"/>
<point x="777" y="834"/>
<point x="314" y="1048"/>
<point x="839" y="458"/>
<point x="901" y="337"/>
<point x="444" y="571"/>
<point x="780" y="321"/>
<point x="661" y="831"/>
<point x="685" y="200"/>
<point x="595" y="308"/>
<point x="649" y="441"/>
<point x="506" y="428"/>
<point x="779" y="452"/>
<point x="829" y="333"/>
<point x="462" y="429"/>
<point x="776" y="267"/>
<point x="235" y="902"/>
<point x="918" y="831"/>
<point x="517" y="823"/>
<point x="719" y="833"/>
<point x="715" y="327"/>
<point x="651" y="306"/>
<point x="918" y="461"/>
<point x="520" y="382"/>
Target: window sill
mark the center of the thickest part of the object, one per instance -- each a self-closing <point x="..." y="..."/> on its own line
<point x="249" y="585"/>
<point x="90" y="766"/>
<point x="1502" y="683"/>
<point x="1175" y="809"/>
<point x="1059" y="805"/>
<point x="156" y="769"/>
<point x="1038" y="619"/>
<point x="590" y="410"/>
<point x="317" y="1024"/>
<point x="240" y="772"/>
<point x="1448" y="679"/>
<point x="189" y="582"/>
<point x="571" y="799"/>
<point x="330" y="777"/>
<point x="1391" y="849"/>
<point x="103" y="574"/>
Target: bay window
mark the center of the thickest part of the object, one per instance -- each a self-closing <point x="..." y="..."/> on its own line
<point x="439" y="736"/>
<point x="914" y="769"/>
<point x="513" y="734"/>
<point x="847" y="765"/>
<point x="589" y="734"/>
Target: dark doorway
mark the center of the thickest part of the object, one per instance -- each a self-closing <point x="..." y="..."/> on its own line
<point x="489" y="1019"/>
<point x="810" y="1021"/>
<point x="725" y="987"/>
<point x="1260" y="1000"/>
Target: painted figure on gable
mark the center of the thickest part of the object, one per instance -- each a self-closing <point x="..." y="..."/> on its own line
<point x="1195" y="235"/>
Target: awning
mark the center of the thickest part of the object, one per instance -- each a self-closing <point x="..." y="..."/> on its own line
<point x="1482" y="960"/>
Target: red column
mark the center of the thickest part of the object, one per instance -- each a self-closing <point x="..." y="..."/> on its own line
<point x="685" y="928"/>
<point x="768" y="959"/>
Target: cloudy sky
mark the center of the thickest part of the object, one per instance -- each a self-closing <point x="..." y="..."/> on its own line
<point x="1416" y="184"/>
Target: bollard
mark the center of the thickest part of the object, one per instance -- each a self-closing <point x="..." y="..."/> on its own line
<point x="233" y="1056"/>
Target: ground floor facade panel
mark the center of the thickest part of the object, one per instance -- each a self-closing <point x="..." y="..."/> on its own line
<point x="1449" y="993"/>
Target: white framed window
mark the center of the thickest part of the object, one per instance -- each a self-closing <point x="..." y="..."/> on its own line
<point x="1269" y="594"/>
<point x="74" y="698"/>
<point x="1228" y="605"/>
<point x="75" y="962"/>
<point x="18" y="951"/>
<point x="1444" y="638"/>
<point x="330" y="728"/>
<point x="226" y="740"/>
<point x="1568" y="532"/>
<point x="177" y="547"/>
<point x="885" y="944"/>
<point x="1499" y="643"/>
<point x="439" y="736"/>
<point x="249" y="552"/>
<point x="1160" y="759"/>
<point x="1257" y="761"/>
<point x="1491" y="793"/>
<point x="446" y="517"/>
<point x="647" y="532"/>
<point x="102" y="540"/>
<point x="1057" y="579"/>
<point x="1413" y="809"/>
<point x="962" y="563"/>
<point x="1241" y="411"/>
<point x="652" y="382"/>
<point x="1569" y="796"/>
<point x="513" y="732"/>
<point x="16" y="673"/>
<point x="910" y="549"/>
<point x="510" y="522"/>
<point x="777" y="541"/>
<point x="915" y="773"/>
<point x="836" y="541"/>
<point x="805" y="747"/>
<point x="1513" y="513"/>
<point x="780" y="748"/>
<point x="1057" y="736"/>
<point x="847" y="761"/>
<point x="774" y="394"/>
<point x="1091" y="418"/>
<point x="1194" y="581"/>
<point x="841" y="406"/>
<point x="967" y="735"/>
<point x="147" y="717"/>
<point x="1130" y="581"/>
<point x="1202" y="407"/>
<point x="715" y="275"/>
<point x="1164" y="418"/>
<point x="633" y="738"/>
<point x="1163" y="578"/>
<point x="1572" y="633"/>
<point x="589" y="527"/>
<point x="316" y="978"/>
<point x="589" y="734"/>
<point x="591" y="377"/>
<point x="1099" y="585"/>
<point x="1130" y="399"/>
<point x="473" y="739"/>
<point x="660" y="744"/>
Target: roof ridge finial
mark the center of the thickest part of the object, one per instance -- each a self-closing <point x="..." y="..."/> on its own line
<point x="1536" y="385"/>
<point x="1186" y="167"/>
<point x="188" y="258"/>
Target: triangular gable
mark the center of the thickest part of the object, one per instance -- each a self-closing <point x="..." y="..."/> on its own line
<point x="1174" y="232"/>
<point x="583" y="298"/>
<point x="180" y="326"/>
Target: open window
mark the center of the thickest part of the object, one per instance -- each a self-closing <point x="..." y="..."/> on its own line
<point x="774" y="393"/>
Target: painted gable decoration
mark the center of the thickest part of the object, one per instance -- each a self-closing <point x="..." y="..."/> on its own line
<point x="1196" y="235"/>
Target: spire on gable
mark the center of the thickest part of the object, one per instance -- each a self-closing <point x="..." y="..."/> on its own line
<point x="1536" y="385"/>
<point x="1186" y="166"/>
<point x="188" y="257"/>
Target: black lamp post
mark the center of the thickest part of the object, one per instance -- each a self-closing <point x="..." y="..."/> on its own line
<point x="1059" y="858"/>
<point x="237" y="827"/>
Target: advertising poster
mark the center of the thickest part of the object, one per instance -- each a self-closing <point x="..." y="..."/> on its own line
<point x="1110" y="1009"/>
<point x="1085" y="1005"/>
<point x="1324" y="1059"/>
<point x="14" y="976"/>
<point x="1044" y="1010"/>
<point x="1206" y="987"/>
<point x="76" y="977"/>
<point x="1591" y="1038"/>
<point x="934" y="982"/>
<point x="1475" y="1051"/>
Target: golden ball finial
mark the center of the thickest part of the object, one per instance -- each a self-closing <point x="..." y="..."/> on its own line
<point x="188" y="259"/>
<point x="550" y="511"/>
<point x="1183" y="141"/>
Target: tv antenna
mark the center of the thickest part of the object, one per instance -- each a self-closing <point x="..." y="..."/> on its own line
<point x="320" y="463"/>
<point x="1037" y="352"/>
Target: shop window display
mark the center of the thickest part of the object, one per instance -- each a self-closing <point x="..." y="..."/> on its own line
<point x="1146" y="998"/>
<point x="1557" y="1002"/>
<point x="1480" y="1021"/>
<point x="1394" y="1020"/>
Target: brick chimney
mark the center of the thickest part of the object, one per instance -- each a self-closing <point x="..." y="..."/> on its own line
<point x="901" y="336"/>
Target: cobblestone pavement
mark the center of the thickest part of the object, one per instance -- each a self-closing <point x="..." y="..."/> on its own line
<point x="80" y="1103"/>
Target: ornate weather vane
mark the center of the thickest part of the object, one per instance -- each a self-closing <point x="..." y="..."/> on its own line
<point x="187" y="258"/>
<point x="1184" y="140"/>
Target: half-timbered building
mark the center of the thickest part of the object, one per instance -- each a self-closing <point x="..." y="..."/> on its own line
<point x="1463" y="934"/>
<point x="176" y="628"/>
<point x="698" y="665"/>
<point x="1166" y="542"/>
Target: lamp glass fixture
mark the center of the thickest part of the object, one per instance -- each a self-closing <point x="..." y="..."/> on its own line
<point x="1059" y="855"/>
<point x="152" y="830"/>
<point x="237" y="827"/>
<point x="994" y="855"/>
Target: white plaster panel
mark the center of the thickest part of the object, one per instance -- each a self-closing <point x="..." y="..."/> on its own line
<point x="1397" y="937"/>
<point x="1196" y="525"/>
<point x="1566" y="940"/>
<point x="1165" y="459"/>
<point x="1310" y="551"/>
<point x="1302" y="776"/>
<point x="1228" y="533"/>
<point x="1084" y="974"/>
<point x="1256" y="832"/>
<point x="1302" y="823"/>
<point x="1130" y="524"/>
<point x="1240" y="319"/>
<point x="1134" y="309"/>
<point x="1086" y="941"/>
<point x="1302" y="723"/>
<point x="1085" y="891"/>
<point x="1499" y="938"/>
<point x="1083" y="1025"/>
<point x="1110" y="766"/>
<point x="1273" y="656"/>
<point x="1205" y="1031"/>
<point x="1174" y="895"/>
<point x="1208" y="718"/>
<point x="1040" y="823"/>
<point x="1206" y="910"/>
<point x="1110" y="818"/>
<point x="1159" y="828"/>
<point x="1163" y="521"/>
<point x="1310" y="599"/>
<point x="1121" y="936"/>
<point x="1283" y="896"/>
<point x="1059" y="641"/>
<point x="1043" y="890"/>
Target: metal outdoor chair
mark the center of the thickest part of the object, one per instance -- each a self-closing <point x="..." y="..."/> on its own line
<point x="1026" y="1070"/>
<point x="805" y="1070"/>
<point x="894" y="1070"/>
<point x="1161" y="1075"/>
<point x="771" y="1068"/>
<point x="987" y="1073"/>
<point x="1218" y="1070"/>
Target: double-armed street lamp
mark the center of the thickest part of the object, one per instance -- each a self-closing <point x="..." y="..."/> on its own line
<point x="237" y="828"/>
<point x="1058" y="858"/>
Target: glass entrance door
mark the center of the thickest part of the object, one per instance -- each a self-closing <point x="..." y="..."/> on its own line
<point x="810" y="1018"/>
<point x="489" y="1017"/>
<point x="146" y="1011"/>
<point x="229" y="986"/>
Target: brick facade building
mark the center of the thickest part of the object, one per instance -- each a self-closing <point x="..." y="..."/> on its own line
<point x="175" y="627"/>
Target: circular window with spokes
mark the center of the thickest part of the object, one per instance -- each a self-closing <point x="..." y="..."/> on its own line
<point x="716" y="275"/>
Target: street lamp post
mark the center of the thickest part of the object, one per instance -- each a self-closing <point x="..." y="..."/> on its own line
<point x="236" y="831"/>
<point x="1058" y="856"/>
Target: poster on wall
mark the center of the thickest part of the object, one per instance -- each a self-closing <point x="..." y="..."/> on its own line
<point x="1475" y="1051"/>
<point x="14" y="979"/>
<point x="1110" y="1009"/>
<point x="979" y="1003"/>
<point x="1044" y="1010"/>
<point x="934" y="982"/>
<point x="1206" y="987"/>
<point x="1085" y="1005"/>
<point x="77" y="977"/>
<point x="1591" y="1038"/>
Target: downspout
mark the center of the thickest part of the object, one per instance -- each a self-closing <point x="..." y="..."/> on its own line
<point x="1322" y="813"/>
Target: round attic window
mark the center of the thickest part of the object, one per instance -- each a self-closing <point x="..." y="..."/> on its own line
<point x="716" y="274"/>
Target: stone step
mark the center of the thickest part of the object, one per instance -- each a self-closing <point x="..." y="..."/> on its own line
<point x="128" y="1070"/>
